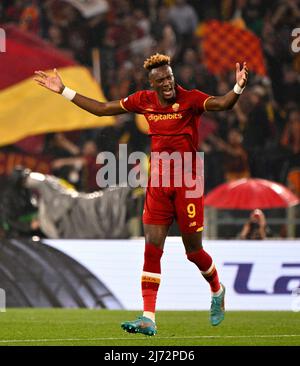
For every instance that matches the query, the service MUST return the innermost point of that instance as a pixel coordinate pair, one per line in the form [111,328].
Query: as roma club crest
[175,107]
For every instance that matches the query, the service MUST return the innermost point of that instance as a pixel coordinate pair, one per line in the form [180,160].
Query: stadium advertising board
[259,275]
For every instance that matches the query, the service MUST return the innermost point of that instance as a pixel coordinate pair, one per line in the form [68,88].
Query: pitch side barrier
[259,275]
[33,274]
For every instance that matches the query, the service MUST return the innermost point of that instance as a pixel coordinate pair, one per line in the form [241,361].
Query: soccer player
[173,114]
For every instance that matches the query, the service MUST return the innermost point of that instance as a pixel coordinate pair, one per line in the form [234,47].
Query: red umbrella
[248,194]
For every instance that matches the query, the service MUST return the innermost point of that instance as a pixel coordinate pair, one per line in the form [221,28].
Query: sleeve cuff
[122,105]
[204,104]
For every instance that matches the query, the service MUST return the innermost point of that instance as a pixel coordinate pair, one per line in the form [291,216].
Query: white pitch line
[142,339]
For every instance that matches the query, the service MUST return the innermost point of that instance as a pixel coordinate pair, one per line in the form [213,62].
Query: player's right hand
[51,82]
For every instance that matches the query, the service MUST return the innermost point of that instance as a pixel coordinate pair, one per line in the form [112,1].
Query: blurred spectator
[13,10]
[56,36]
[256,128]
[186,77]
[30,17]
[80,170]
[235,158]
[168,44]
[256,227]
[142,21]
[287,12]
[290,139]
[160,21]
[293,180]
[185,20]
[254,117]
[253,14]
[291,85]
[58,144]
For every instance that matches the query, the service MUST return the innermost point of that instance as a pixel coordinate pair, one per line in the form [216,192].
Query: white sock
[218,293]
[150,315]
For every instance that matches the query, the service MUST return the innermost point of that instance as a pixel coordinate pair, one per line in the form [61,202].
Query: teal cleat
[217,309]
[141,325]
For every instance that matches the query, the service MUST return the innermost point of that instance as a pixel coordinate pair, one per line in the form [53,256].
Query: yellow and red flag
[27,109]
[224,44]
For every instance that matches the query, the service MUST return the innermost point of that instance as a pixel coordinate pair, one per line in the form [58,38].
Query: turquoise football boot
[217,309]
[140,325]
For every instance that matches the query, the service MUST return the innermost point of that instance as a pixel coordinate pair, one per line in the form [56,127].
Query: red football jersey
[173,127]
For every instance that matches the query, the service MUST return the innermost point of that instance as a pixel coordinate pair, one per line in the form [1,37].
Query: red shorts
[163,204]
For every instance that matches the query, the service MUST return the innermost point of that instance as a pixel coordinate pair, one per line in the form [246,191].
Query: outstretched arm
[228,100]
[55,84]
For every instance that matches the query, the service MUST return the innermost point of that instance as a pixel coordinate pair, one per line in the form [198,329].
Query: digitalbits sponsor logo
[2,40]
[295,46]
[2,300]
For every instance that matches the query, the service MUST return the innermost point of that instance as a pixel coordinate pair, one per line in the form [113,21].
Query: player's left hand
[241,74]
[51,82]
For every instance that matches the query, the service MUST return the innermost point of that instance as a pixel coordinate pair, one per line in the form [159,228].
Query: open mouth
[168,93]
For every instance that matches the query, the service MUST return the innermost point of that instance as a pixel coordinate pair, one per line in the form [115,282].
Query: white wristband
[237,89]
[68,93]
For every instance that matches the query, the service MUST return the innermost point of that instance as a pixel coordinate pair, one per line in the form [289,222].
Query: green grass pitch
[82,327]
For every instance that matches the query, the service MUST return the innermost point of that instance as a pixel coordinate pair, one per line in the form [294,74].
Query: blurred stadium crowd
[260,137]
